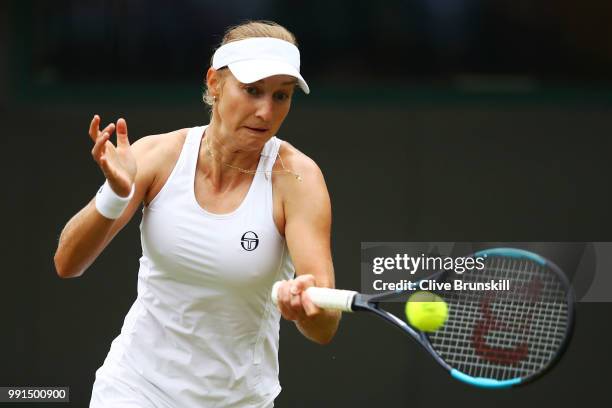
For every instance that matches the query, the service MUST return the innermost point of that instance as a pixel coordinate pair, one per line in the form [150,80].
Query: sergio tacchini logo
[249,241]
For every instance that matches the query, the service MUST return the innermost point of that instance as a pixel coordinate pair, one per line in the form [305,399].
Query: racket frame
[360,302]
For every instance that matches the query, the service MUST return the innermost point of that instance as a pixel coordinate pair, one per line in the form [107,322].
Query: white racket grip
[325,298]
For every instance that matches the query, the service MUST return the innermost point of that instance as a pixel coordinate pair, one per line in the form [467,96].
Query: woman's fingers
[293,302]
[309,307]
[300,285]
[296,302]
[284,302]
[110,129]
[99,147]
[94,128]
[122,133]
[282,299]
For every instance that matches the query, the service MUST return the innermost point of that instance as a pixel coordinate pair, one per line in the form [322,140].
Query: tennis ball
[426,311]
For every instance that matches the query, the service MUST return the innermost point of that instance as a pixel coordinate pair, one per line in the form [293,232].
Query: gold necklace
[246,171]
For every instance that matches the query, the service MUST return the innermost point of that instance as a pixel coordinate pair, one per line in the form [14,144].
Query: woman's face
[251,113]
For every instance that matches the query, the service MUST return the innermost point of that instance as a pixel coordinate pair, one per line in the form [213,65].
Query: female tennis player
[228,210]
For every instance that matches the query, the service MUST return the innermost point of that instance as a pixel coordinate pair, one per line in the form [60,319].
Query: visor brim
[250,71]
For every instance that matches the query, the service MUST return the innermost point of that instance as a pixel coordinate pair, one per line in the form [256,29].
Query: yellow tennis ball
[426,311]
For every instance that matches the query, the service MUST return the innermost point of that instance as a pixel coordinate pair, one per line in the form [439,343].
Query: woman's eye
[251,90]
[281,96]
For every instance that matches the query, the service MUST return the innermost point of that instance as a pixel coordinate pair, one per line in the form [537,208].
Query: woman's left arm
[307,211]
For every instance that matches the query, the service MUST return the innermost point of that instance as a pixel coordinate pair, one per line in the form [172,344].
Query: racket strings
[504,334]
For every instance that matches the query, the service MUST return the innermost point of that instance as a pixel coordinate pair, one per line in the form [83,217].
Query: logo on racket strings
[513,324]
[249,241]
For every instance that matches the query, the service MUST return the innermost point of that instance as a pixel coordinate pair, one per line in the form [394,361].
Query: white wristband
[109,204]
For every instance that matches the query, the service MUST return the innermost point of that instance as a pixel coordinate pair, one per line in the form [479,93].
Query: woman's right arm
[87,234]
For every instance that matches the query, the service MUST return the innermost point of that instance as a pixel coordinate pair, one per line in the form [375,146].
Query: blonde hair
[251,29]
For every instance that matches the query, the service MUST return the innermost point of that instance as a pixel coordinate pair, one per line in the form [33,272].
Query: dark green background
[407,161]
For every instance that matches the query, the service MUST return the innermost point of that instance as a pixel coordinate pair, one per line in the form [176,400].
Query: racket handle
[325,298]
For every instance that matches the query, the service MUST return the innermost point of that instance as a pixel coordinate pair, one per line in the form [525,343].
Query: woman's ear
[212,82]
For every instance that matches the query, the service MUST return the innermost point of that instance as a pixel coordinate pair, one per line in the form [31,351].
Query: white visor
[257,58]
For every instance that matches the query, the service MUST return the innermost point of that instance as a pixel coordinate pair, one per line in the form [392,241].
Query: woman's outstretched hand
[117,162]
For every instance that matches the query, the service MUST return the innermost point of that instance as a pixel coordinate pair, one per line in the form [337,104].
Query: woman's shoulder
[300,186]
[291,164]
[295,160]
[162,143]
[156,153]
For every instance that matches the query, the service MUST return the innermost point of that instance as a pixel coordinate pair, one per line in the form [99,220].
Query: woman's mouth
[257,130]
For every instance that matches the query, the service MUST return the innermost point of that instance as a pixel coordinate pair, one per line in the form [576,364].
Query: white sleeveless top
[203,331]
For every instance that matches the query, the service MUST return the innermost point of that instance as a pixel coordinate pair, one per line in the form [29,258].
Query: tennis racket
[491,339]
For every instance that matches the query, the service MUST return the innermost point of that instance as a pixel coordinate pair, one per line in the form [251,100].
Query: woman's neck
[224,162]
